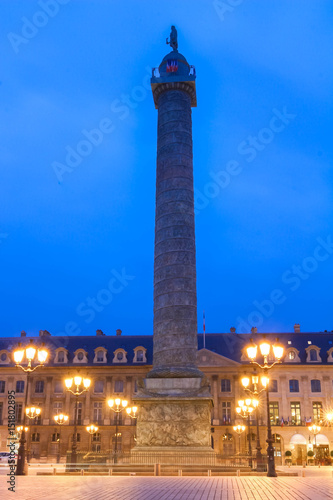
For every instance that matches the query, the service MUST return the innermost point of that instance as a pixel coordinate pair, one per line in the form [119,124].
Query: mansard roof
[229,345]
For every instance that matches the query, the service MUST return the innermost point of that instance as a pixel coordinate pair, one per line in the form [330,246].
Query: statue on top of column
[173,38]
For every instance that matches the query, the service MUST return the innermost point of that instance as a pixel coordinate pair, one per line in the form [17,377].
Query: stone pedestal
[174,422]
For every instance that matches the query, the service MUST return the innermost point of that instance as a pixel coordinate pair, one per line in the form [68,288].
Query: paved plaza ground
[317,485]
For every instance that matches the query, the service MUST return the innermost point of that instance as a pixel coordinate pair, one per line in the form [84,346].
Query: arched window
[61,357]
[253,436]
[291,355]
[80,356]
[100,356]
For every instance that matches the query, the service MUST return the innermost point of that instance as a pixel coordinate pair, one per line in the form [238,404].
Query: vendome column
[174,418]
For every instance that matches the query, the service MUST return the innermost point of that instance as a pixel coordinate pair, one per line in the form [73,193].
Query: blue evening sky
[77,230]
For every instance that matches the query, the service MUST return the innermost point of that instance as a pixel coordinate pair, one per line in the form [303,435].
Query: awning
[298,439]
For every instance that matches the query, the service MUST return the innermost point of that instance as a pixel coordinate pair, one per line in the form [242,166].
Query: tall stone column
[174,416]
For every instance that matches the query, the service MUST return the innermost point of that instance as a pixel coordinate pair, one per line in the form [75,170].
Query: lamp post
[119,405]
[81,385]
[315,429]
[60,419]
[244,410]
[27,355]
[92,429]
[276,351]
[239,429]
[256,392]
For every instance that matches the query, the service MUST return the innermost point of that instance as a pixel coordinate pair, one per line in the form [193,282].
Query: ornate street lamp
[35,358]
[244,410]
[60,419]
[239,429]
[92,429]
[118,406]
[246,381]
[80,385]
[315,429]
[276,351]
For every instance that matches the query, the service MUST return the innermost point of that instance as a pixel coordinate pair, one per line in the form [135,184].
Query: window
[100,356]
[118,386]
[253,436]
[226,412]
[225,385]
[98,412]
[35,437]
[80,356]
[273,386]
[99,386]
[3,357]
[120,355]
[293,385]
[291,355]
[139,355]
[39,387]
[58,387]
[1,412]
[274,412]
[18,413]
[117,439]
[78,437]
[315,386]
[317,409]
[57,407]
[61,357]
[277,445]
[2,386]
[20,386]
[135,385]
[78,414]
[313,355]
[55,437]
[295,409]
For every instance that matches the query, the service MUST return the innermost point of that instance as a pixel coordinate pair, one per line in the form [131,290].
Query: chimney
[44,333]
[23,333]
[118,332]
[232,329]
[297,328]
[99,332]
[254,329]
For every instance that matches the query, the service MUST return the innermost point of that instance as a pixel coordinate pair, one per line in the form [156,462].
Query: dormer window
[139,355]
[61,356]
[313,355]
[292,356]
[4,358]
[100,355]
[120,356]
[80,356]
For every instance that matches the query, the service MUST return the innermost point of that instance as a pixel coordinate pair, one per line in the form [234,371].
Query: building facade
[301,392]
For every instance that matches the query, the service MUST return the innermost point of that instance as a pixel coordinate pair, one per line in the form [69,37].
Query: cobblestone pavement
[169,488]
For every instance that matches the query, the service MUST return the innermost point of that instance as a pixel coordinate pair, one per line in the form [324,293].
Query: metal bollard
[303,473]
[180,472]
[82,472]
[238,472]
[54,471]
[157,469]
[110,472]
[209,472]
